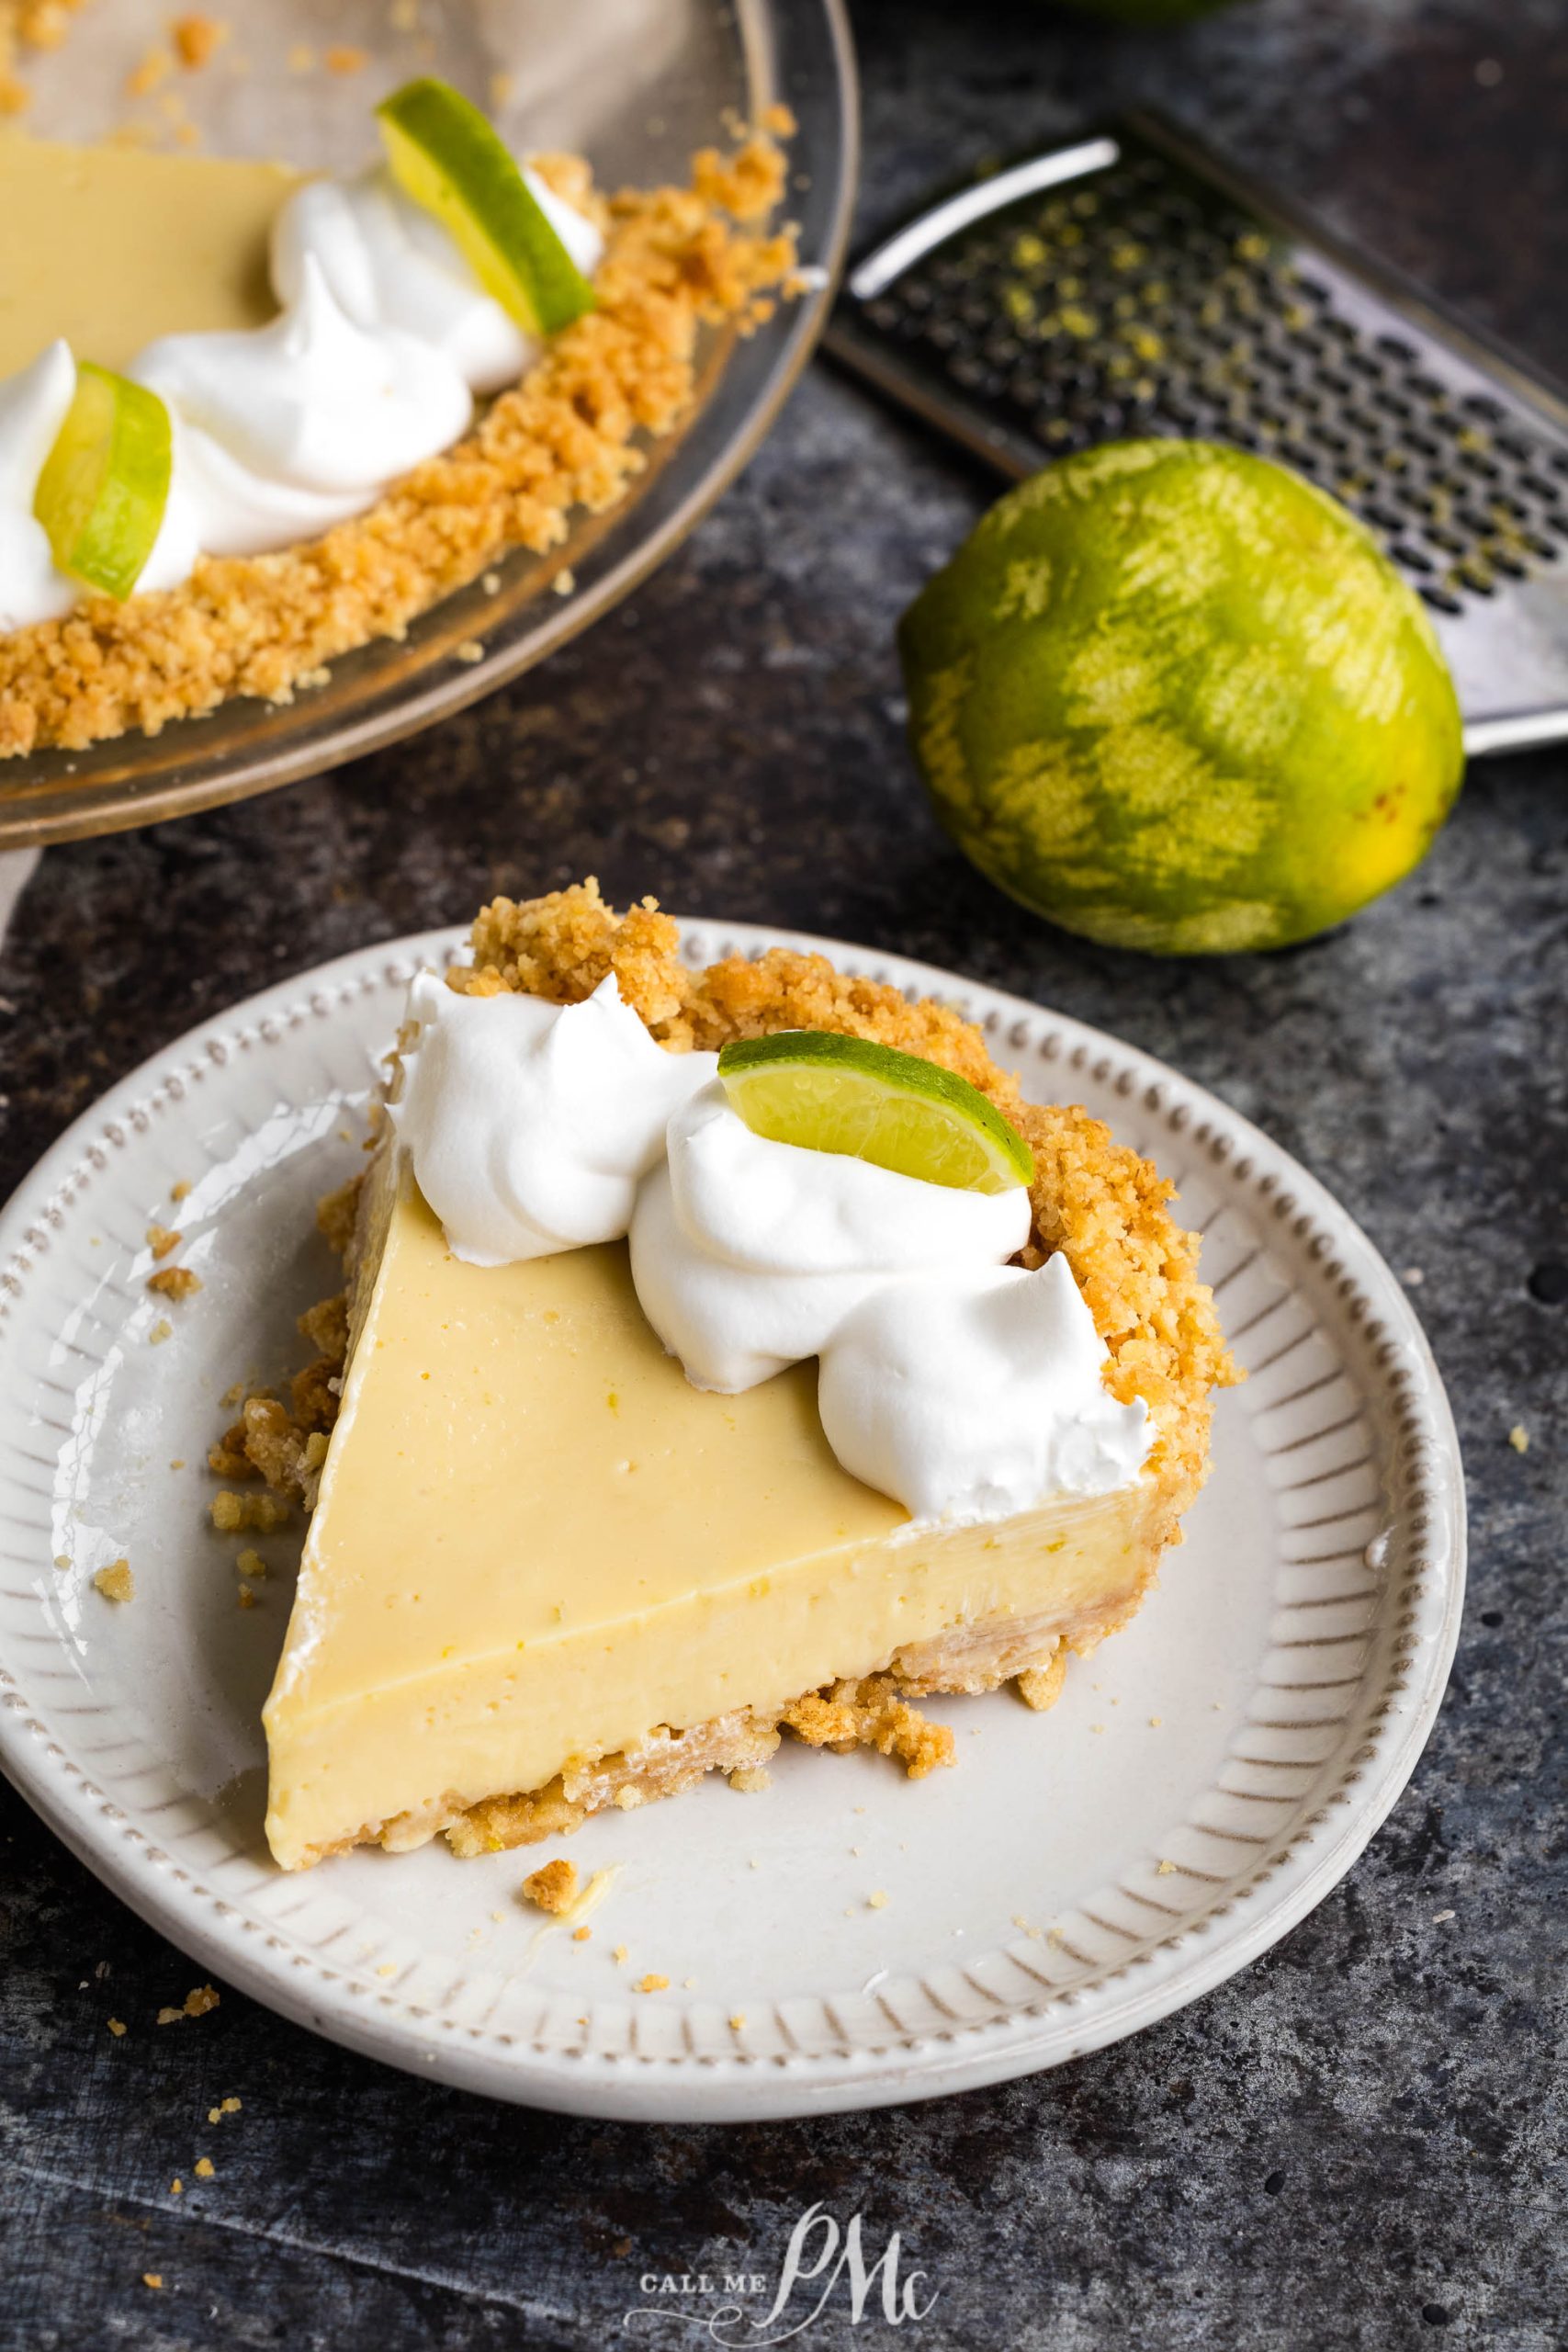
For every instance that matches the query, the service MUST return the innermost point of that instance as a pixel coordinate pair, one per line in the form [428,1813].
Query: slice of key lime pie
[723,1354]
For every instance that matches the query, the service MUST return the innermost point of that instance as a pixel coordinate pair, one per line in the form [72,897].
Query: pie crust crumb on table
[1092,1198]
[676,260]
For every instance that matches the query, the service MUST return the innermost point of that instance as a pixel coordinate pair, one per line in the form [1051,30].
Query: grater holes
[1062,436]
[1427,390]
[1422,511]
[1276,359]
[973,375]
[1151,303]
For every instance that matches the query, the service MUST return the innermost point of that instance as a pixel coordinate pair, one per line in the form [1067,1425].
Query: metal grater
[1128,285]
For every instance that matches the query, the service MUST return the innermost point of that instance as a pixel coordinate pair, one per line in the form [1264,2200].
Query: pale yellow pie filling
[535,1541]
[120,245]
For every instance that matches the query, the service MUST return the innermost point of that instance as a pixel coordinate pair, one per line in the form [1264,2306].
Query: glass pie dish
[636,85]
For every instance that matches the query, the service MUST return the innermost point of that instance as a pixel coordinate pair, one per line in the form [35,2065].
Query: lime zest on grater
[1128,284]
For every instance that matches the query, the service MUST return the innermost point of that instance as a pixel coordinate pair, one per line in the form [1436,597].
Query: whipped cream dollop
[390,265]
[383,339]
[304,420]
[530,1125]
[748,1255]
[978,1394]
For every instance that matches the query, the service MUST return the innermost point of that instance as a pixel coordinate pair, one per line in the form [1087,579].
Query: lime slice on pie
[450,159]
[105,483]
[843,1094]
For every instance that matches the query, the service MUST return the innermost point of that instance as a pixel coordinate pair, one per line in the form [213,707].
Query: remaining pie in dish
[545,1572]
[325,475]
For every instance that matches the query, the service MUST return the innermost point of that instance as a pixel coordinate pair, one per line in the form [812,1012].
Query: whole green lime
[1174,699]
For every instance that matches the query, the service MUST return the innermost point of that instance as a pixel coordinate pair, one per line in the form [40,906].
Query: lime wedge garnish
[105,483]
[450,159]
[832,1093]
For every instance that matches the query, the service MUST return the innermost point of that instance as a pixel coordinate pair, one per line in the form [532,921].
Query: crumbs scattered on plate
[553,1887]
[174,1281]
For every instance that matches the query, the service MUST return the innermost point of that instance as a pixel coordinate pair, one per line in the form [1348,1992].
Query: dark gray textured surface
[1357,2143]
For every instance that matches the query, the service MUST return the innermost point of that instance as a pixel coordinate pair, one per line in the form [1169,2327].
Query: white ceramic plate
[1206,1778]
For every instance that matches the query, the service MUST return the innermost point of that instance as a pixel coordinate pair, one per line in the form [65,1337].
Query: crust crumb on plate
[553,1887]
[174,1282]
[569,434]
[263,1512]
[1040,1687]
